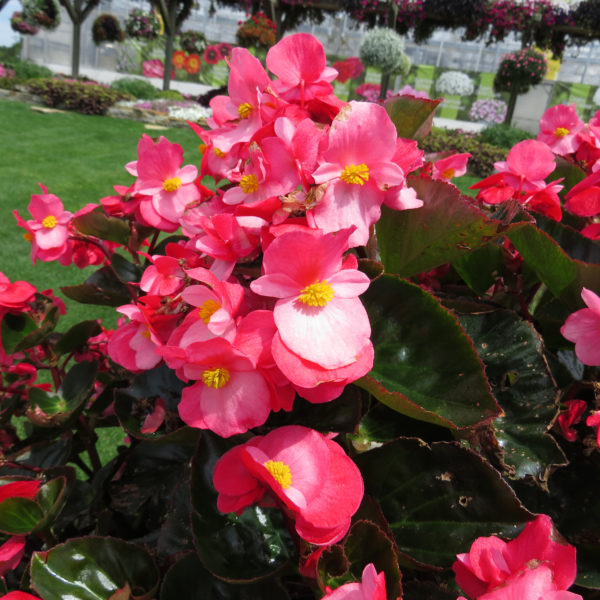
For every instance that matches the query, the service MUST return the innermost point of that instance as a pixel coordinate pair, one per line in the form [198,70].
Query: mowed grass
[77,157]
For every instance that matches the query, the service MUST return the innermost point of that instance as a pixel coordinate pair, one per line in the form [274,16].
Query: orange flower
[192,64]
[179,59]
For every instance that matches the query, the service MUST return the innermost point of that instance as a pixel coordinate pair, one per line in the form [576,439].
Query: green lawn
[77,157]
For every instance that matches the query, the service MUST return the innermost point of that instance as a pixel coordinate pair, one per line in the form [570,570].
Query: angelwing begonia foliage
[332,374]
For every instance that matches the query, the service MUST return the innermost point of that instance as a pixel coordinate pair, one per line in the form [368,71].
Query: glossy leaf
[249,547]
[512,352]
[19,515]
[14,329]
[419,349]
[481,268]
[439,498]
[125,269]
[77,336]
[98,224]
[413,117]
[444,229]
[52,497]
[563,275]
[188,579]
[101,288]
[93,568]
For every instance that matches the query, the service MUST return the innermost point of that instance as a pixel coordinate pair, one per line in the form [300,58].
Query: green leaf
[125,269]
[77,336]
[563,275]
[76,389]
[250,547]
[188,579]
[101,288]
[439,498]
[52,497]
[97,223]
[14,329]
[481,268]
[444,229]
[19,516]
[425,365]
[512,352]
[93,568]
[413,117]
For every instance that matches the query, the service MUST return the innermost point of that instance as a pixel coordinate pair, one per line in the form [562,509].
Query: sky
[7,36]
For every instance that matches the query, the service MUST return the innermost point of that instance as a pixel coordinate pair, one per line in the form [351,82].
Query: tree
[173,13]
[78,11]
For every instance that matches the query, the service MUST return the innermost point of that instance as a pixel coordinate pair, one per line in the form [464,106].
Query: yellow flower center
[249,184]
[216,378]
[146,333]
[49,222]
[245,110]
[172,184]
[355,174]
[208,309]
[28,236]
[218,153]
[448,173]
[560,132]
[281,473]
[316,294]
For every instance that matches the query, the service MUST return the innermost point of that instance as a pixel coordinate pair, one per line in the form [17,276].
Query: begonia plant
[334,375]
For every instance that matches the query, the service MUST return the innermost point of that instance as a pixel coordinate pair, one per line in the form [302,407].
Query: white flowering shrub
[382,48]
[454,83]
[490,111]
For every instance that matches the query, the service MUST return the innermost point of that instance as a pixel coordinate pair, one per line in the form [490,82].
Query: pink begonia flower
[372,587]
[50,223]
[15,296]
[318,315]
[308,475]
[19,596]
[533,584]
[583,328]
[229,395]
[300,64]
[237,117]
[161,176]
[155,68]
[358,168]
[492,563]
[134,345]
[559,129]
[594,421]
[570,417]
[583,199]
[451,166]
[156,418]
[11,553]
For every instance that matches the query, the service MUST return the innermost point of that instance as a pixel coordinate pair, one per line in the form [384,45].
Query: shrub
[504,136]
[483,156]
[88,98]
[382,48]
[138,88]
[488,110]
[519,71]
[106,28]
[454,83]
[258,31]
[170,95]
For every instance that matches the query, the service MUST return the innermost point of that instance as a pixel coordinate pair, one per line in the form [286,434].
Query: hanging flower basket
[143,25]
[19,24]
[106,28]
[41,13]
[193,42]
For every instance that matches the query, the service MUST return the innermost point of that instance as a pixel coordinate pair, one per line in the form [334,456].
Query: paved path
[196,89]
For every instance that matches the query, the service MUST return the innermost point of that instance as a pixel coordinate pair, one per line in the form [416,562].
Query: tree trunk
[168,64]
[385,84]
[76,41]
[512,101]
